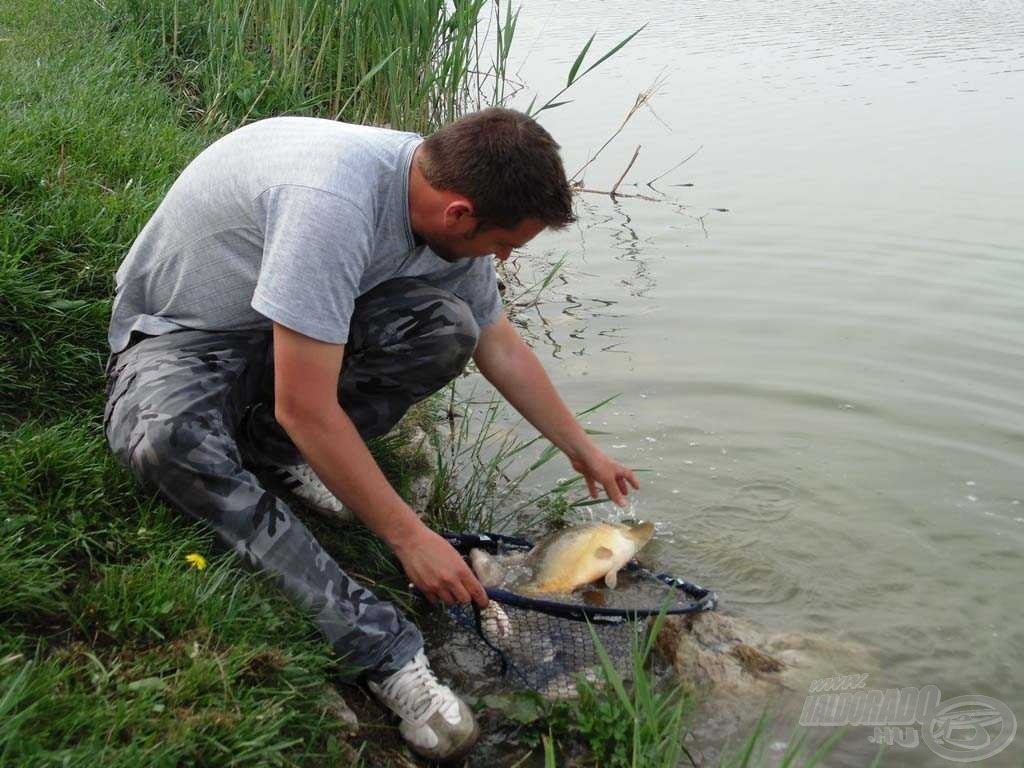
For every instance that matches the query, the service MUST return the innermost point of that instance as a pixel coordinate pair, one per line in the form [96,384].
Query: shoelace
[414,691]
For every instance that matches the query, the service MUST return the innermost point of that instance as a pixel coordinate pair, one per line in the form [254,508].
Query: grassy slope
[112,650]
[86,151]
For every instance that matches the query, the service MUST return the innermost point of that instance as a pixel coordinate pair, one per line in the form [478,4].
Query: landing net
[546,645]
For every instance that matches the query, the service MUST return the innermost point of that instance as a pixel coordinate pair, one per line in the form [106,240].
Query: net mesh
[548,645]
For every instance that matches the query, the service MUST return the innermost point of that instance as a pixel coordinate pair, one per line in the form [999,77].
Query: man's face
[455,245]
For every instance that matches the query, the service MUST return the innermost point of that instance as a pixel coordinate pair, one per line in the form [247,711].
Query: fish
[565,560]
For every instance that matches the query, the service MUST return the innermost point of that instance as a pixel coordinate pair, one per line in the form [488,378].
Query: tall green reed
[622,716]
[409,64]
[484,463]
[634,722]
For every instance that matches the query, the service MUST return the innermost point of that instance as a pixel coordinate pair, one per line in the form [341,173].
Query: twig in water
[642,99]
[648,198]
[677,165]
[614,188]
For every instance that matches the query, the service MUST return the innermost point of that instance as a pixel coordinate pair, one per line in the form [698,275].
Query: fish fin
[603,553]
[611,579]
[642,533]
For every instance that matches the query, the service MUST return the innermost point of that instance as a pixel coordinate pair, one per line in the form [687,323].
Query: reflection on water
[818,343]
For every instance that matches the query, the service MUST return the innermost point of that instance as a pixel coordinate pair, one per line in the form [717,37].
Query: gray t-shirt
[286,220]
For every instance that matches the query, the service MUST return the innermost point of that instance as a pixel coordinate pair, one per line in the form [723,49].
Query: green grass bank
[113,650]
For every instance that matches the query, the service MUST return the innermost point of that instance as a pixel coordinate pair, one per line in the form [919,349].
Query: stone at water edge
[718,650]
[739,671]
[727,655]
[700,649]
[420,491]
[755,661]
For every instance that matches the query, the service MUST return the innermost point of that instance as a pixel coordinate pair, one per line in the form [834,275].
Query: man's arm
[512,367]
[306,375]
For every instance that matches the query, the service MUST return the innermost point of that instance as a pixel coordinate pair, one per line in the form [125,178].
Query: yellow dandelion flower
[196,560]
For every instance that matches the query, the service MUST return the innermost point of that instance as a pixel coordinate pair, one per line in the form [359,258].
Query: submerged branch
[674,167]
[613,194]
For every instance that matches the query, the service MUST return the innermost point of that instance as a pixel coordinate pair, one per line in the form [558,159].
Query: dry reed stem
[633,160]
[642,98]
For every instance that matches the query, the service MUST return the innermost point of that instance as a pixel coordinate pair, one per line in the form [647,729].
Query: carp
[565,560]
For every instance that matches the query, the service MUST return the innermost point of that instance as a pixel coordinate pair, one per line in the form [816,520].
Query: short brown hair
[505,163]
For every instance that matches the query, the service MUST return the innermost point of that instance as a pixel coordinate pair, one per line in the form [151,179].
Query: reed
[408,64]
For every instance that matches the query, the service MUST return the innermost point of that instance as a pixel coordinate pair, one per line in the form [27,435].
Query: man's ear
[458,216]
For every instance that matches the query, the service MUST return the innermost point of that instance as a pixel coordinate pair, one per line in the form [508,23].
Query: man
[300,286]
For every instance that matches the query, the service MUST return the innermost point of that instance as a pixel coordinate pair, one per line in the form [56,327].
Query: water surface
[825,378]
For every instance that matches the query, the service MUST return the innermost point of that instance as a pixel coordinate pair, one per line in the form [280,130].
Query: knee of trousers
[458,340]
[166,450]
[443,342]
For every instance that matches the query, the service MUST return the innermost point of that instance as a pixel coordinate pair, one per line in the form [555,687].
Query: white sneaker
[436,723]
[301,480]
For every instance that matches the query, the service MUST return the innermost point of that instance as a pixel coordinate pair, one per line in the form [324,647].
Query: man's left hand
[598,468]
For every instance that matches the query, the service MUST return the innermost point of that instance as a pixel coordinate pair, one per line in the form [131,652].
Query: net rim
[701,598]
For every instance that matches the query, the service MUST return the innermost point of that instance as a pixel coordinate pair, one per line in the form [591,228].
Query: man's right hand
[438,571]
[306,405]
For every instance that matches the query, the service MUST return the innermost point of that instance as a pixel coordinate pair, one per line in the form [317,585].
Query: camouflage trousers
[191,413]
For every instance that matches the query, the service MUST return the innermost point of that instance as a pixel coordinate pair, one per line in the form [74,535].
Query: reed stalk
[408,64]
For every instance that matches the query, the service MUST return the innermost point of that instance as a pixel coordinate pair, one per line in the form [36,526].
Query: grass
[483,468]
[238,60]
[113,650]
[87,149]
[617,720]
[641,725]
[199,699]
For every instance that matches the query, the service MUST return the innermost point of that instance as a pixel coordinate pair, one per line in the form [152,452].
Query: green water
[825,379]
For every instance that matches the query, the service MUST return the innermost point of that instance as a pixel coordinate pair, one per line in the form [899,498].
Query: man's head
[487,184]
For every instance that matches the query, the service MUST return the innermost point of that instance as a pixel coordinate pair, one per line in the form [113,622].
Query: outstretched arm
[512,367]
[306,405]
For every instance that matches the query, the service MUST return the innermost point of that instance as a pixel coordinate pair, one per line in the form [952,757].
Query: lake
[819,342]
